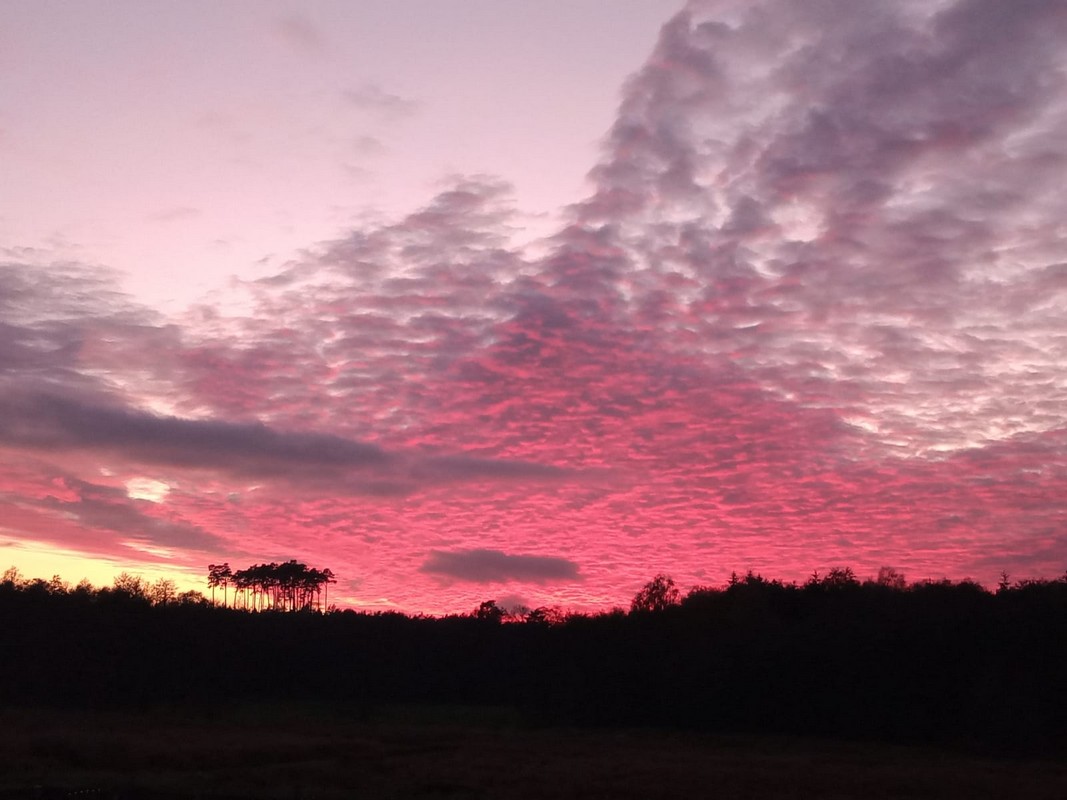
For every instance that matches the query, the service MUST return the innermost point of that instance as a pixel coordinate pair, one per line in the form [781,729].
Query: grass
[289,752]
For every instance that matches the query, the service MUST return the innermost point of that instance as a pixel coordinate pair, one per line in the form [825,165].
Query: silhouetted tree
[490,612]
[1005,582]
[58,586]
[840,577]
[546,615]
[163,591]
[656,595]
[191,597]
[219,575]
[327,577]
[290,586]
[889,577]
[836,578]
[242,582]
[132,585]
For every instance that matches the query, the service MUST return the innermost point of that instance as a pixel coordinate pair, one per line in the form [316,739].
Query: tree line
[946,662]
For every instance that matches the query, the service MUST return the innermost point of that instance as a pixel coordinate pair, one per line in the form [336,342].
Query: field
[306,752]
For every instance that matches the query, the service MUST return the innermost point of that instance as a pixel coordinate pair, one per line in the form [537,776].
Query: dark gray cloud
[494,566]
[56,424]
[53,422]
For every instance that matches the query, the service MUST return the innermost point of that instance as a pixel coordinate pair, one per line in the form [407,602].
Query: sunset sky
[531,301]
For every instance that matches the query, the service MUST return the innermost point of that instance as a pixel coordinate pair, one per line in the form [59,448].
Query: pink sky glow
[808,310]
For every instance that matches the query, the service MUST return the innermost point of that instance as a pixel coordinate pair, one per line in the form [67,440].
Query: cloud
[820,221]
[494,566]
[102,508]
[459,468]
[43,504]
[68,325]
[371,98]
[368,146]
[55,424]
[301,34]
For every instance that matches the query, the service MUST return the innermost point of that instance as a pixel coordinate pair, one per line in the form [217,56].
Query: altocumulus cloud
[494,566]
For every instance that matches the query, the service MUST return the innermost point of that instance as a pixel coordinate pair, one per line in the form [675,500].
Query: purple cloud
[494,566]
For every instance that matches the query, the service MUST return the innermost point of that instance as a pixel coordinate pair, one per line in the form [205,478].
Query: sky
[471,300]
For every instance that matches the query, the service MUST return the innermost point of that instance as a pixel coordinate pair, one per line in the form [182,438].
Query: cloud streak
[50,422]
[241,450]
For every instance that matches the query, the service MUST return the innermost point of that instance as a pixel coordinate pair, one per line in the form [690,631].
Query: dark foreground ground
[302,752]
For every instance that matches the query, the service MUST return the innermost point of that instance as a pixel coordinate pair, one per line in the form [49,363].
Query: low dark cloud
[52,423]
[494,566]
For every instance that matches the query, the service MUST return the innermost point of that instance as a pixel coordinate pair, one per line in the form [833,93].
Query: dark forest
[943,662]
